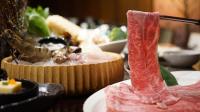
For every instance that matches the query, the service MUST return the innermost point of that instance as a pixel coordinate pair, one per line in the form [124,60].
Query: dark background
[114,12]
[111,11]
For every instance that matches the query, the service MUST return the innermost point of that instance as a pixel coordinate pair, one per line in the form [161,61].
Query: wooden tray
[76,79]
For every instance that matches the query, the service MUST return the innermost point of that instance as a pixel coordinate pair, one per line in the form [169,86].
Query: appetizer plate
[97,103]
[29,89]
[48,94]
[114,46]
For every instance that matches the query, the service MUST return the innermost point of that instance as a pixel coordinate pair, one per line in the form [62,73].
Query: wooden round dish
[76,79]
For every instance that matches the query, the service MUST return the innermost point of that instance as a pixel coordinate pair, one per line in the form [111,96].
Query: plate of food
[97,101]
[117,40]
[24,95]
[109,39]
[146,90]
[58,57]
[47,96]
[12,90]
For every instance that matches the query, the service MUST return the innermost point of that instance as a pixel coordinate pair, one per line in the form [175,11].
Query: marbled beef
[148,92]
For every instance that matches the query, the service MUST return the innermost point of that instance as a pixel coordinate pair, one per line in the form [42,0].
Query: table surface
[66,104]
[75,104]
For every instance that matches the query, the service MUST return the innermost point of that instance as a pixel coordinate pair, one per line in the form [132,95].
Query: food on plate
[61,26]
[41,24]
[24,50]
[79,70]
[14,30]
[103,34]
[64,28]
[148,92]
[117,34]
[169,79]
[60,54]
[82,74]
[10,86]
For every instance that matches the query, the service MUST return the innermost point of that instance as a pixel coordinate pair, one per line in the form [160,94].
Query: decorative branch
[11,15]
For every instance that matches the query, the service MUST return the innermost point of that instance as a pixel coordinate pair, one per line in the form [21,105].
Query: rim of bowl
[182,52]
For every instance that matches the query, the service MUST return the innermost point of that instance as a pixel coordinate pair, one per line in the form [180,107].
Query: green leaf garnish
[35,18]
[4,83]
[170,80]
[117,34]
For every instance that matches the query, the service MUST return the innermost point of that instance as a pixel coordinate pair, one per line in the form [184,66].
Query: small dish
[114,46]
[29,89]
[97,101]
[182,58]
[48,94]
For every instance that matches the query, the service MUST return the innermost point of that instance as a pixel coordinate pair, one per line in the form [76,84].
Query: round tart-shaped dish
[76,79]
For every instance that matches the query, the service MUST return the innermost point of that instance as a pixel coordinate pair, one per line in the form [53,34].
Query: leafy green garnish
[4,83]
[170,80]
[43,12]
[35,18]
[117,34]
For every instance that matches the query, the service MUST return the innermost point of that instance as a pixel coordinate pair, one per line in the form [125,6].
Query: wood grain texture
[76,79]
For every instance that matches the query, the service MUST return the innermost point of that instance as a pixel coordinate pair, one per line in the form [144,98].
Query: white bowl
[182,58]
[114,46]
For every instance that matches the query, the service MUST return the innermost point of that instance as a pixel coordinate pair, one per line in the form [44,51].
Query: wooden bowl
[76,79]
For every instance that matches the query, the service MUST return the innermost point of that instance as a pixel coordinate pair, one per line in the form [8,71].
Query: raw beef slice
[148,92]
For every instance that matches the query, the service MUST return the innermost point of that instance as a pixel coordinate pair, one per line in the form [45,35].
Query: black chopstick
[186,20]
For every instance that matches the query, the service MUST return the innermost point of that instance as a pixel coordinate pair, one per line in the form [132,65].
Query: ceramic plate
[29,89]
[96,102]
[114,46]
[48,93]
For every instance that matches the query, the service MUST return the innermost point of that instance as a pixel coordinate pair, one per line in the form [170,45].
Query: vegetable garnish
[117,34]
[170,80]
[4,83]
[36,21]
